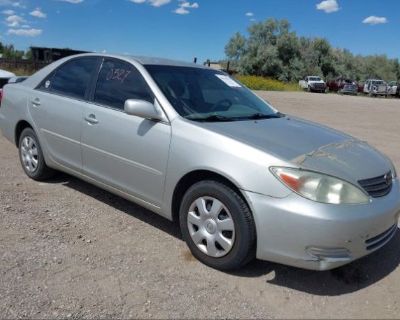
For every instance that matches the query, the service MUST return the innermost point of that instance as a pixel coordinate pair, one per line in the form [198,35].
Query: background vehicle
[360,85]
[343,86]
[195,146]
[5,76]
[374,87]
[393,88]
[313,84]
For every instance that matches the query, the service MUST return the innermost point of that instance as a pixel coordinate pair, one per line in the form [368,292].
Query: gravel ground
[69,249]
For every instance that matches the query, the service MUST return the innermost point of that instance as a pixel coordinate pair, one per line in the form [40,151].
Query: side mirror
[142,108]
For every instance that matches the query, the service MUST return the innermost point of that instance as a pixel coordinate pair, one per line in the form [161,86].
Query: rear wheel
[31,156]
[217,225]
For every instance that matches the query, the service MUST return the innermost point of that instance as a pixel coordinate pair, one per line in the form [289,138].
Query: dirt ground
[69,249]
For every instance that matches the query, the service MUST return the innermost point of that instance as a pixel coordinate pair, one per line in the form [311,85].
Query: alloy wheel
[29,154]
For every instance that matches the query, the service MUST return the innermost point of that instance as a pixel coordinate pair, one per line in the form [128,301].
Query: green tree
[396,69]
[236,46]
[271,49]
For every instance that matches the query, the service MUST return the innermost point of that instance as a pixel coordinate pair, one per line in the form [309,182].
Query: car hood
[320,81]
[308,145]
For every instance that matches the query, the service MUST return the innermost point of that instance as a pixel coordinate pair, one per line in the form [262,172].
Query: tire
[203,242]
[31,156]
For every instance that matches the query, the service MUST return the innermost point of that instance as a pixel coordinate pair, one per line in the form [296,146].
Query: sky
[183,29]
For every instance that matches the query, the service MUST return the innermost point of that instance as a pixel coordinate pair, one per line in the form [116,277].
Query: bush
[261,83]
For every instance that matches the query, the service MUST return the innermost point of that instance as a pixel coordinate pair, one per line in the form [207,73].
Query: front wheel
[217,225]
[31,156]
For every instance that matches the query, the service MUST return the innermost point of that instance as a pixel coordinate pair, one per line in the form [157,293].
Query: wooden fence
[21,67]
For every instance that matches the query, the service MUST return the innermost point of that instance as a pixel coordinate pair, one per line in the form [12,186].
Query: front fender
[194,148]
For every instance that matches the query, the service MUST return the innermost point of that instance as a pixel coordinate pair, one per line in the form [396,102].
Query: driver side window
[119,81]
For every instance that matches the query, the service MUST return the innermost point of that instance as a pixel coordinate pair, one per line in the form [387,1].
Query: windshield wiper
[212,118]
[257,116]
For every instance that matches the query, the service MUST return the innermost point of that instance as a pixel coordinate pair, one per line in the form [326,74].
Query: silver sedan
[195,146]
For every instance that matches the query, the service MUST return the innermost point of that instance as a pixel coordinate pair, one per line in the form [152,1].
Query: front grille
[381,239]
[319,85]
[378,186]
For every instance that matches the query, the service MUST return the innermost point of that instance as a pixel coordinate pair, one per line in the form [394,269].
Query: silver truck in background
[374,87]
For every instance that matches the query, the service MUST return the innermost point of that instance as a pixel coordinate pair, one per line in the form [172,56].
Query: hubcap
[29,154]
[211,226]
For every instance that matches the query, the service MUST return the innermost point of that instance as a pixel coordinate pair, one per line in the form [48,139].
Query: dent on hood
[329,152]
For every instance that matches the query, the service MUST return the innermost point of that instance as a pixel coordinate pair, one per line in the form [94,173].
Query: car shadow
[118,203]
[350,278]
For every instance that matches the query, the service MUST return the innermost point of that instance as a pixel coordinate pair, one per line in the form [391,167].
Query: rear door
[124,151]
[57,108]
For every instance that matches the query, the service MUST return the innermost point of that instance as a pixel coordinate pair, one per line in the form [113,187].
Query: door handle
[35,102]
[91,118]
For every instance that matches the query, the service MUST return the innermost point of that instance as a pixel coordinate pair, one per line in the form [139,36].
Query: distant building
[48,55]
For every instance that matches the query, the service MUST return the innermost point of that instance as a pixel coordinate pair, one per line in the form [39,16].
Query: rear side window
[72,78]
[119,81]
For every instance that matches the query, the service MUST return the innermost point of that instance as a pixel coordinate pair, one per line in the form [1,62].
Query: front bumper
[379,93]
[316,236]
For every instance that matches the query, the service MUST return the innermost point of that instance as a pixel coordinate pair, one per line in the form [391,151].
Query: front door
[126,152]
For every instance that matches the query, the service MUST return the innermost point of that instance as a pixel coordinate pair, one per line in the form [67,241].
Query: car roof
[143,60]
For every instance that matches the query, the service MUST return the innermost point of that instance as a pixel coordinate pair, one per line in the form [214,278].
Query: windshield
[314,79]
[208,95]
[378,82]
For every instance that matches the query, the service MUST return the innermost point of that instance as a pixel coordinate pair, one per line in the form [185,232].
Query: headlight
[320,187]
[394,173]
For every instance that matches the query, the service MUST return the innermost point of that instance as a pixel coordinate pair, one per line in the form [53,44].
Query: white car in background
[313,84]
[5,76]
[393,88]
[374,87]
